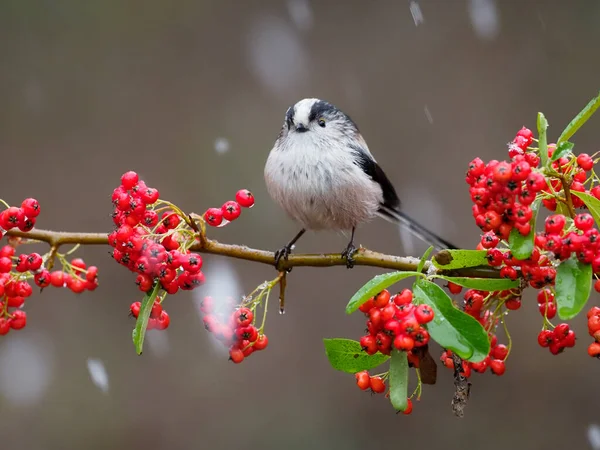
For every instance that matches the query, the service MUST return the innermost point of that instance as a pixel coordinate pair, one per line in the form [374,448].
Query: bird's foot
[348,255]
[282,253]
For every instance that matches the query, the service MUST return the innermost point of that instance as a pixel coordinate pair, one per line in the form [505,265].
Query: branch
[363,257]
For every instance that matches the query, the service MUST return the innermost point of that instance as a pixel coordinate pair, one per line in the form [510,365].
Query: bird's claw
[282,253]
[348,255]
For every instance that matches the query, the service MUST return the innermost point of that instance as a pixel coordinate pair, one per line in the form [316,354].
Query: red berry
[261,343]
[243,317]
[555,224]
[377,385]
[585,161]
[423,314]
[403,297]
[134,309]
[513,303]
[500,352]
[545,338]
[34,261]
[454,288]
[366,306]
[497,366]
[489,240]
[245,198]
[163,321]
[236,355]
[129,180]
[561,330]
[4,326]
[502,172]
[409,407]
[584,221]
[30,207]
[231,210]
[42,279]
[382,299]
[593,349]
[363,380]
[548,310]
[368,344]
[404,342]
[18,320]
[213,217]
[191,262]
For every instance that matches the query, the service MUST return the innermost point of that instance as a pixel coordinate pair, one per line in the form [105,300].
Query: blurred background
[191,94]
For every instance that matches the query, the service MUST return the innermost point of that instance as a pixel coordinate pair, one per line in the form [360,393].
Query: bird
[321,172]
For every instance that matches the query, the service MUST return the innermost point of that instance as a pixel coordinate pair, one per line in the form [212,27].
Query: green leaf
[450,327]
[483,284]
[592,203]
[521,246]
[141,323]
[573,287]
[561,208]
[542,126]
[459,259]
[563,149]
[424,259]
[347,355]
[398,380]
[375,286]
[580,119]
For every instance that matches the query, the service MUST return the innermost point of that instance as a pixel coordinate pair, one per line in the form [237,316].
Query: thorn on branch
[462,388]
[282,285]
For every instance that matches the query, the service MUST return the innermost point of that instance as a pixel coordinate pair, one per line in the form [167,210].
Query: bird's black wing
[389,208]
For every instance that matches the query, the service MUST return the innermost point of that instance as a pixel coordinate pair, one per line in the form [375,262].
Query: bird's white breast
[318,184]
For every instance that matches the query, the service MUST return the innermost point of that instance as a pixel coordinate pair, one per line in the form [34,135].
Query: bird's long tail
[415,228]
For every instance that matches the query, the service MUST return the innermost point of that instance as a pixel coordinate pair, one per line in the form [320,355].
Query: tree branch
[363,257]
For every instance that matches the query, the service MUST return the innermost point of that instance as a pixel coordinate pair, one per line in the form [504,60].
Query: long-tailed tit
[321,172]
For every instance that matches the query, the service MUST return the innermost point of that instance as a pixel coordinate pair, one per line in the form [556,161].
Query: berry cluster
[18,270]
[234,329]
[502,192]
[477,304]
[394,322]
[558,339]
[593,317]
[231,210]
[159,318]
[22,218]
[155,247]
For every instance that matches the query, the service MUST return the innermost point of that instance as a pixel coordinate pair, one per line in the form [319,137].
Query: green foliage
[459,259]
[375,286]
[521,246]
[580,119]
[542,127]
[563,149]
[139,332]
[451,327]
[398,380]
[573,287]
[483,284]
[347,355]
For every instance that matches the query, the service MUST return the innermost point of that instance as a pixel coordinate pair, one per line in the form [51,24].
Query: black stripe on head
[289,116]
[322,108]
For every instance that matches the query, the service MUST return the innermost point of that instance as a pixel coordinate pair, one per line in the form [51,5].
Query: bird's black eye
[321,122]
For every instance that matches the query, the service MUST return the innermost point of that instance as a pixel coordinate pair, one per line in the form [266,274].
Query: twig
[282,284]
[363,257]
[462,388]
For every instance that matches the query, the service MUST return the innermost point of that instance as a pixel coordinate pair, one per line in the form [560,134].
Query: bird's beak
[300,128]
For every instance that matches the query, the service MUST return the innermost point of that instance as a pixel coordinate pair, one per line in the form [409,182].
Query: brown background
[89,90]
